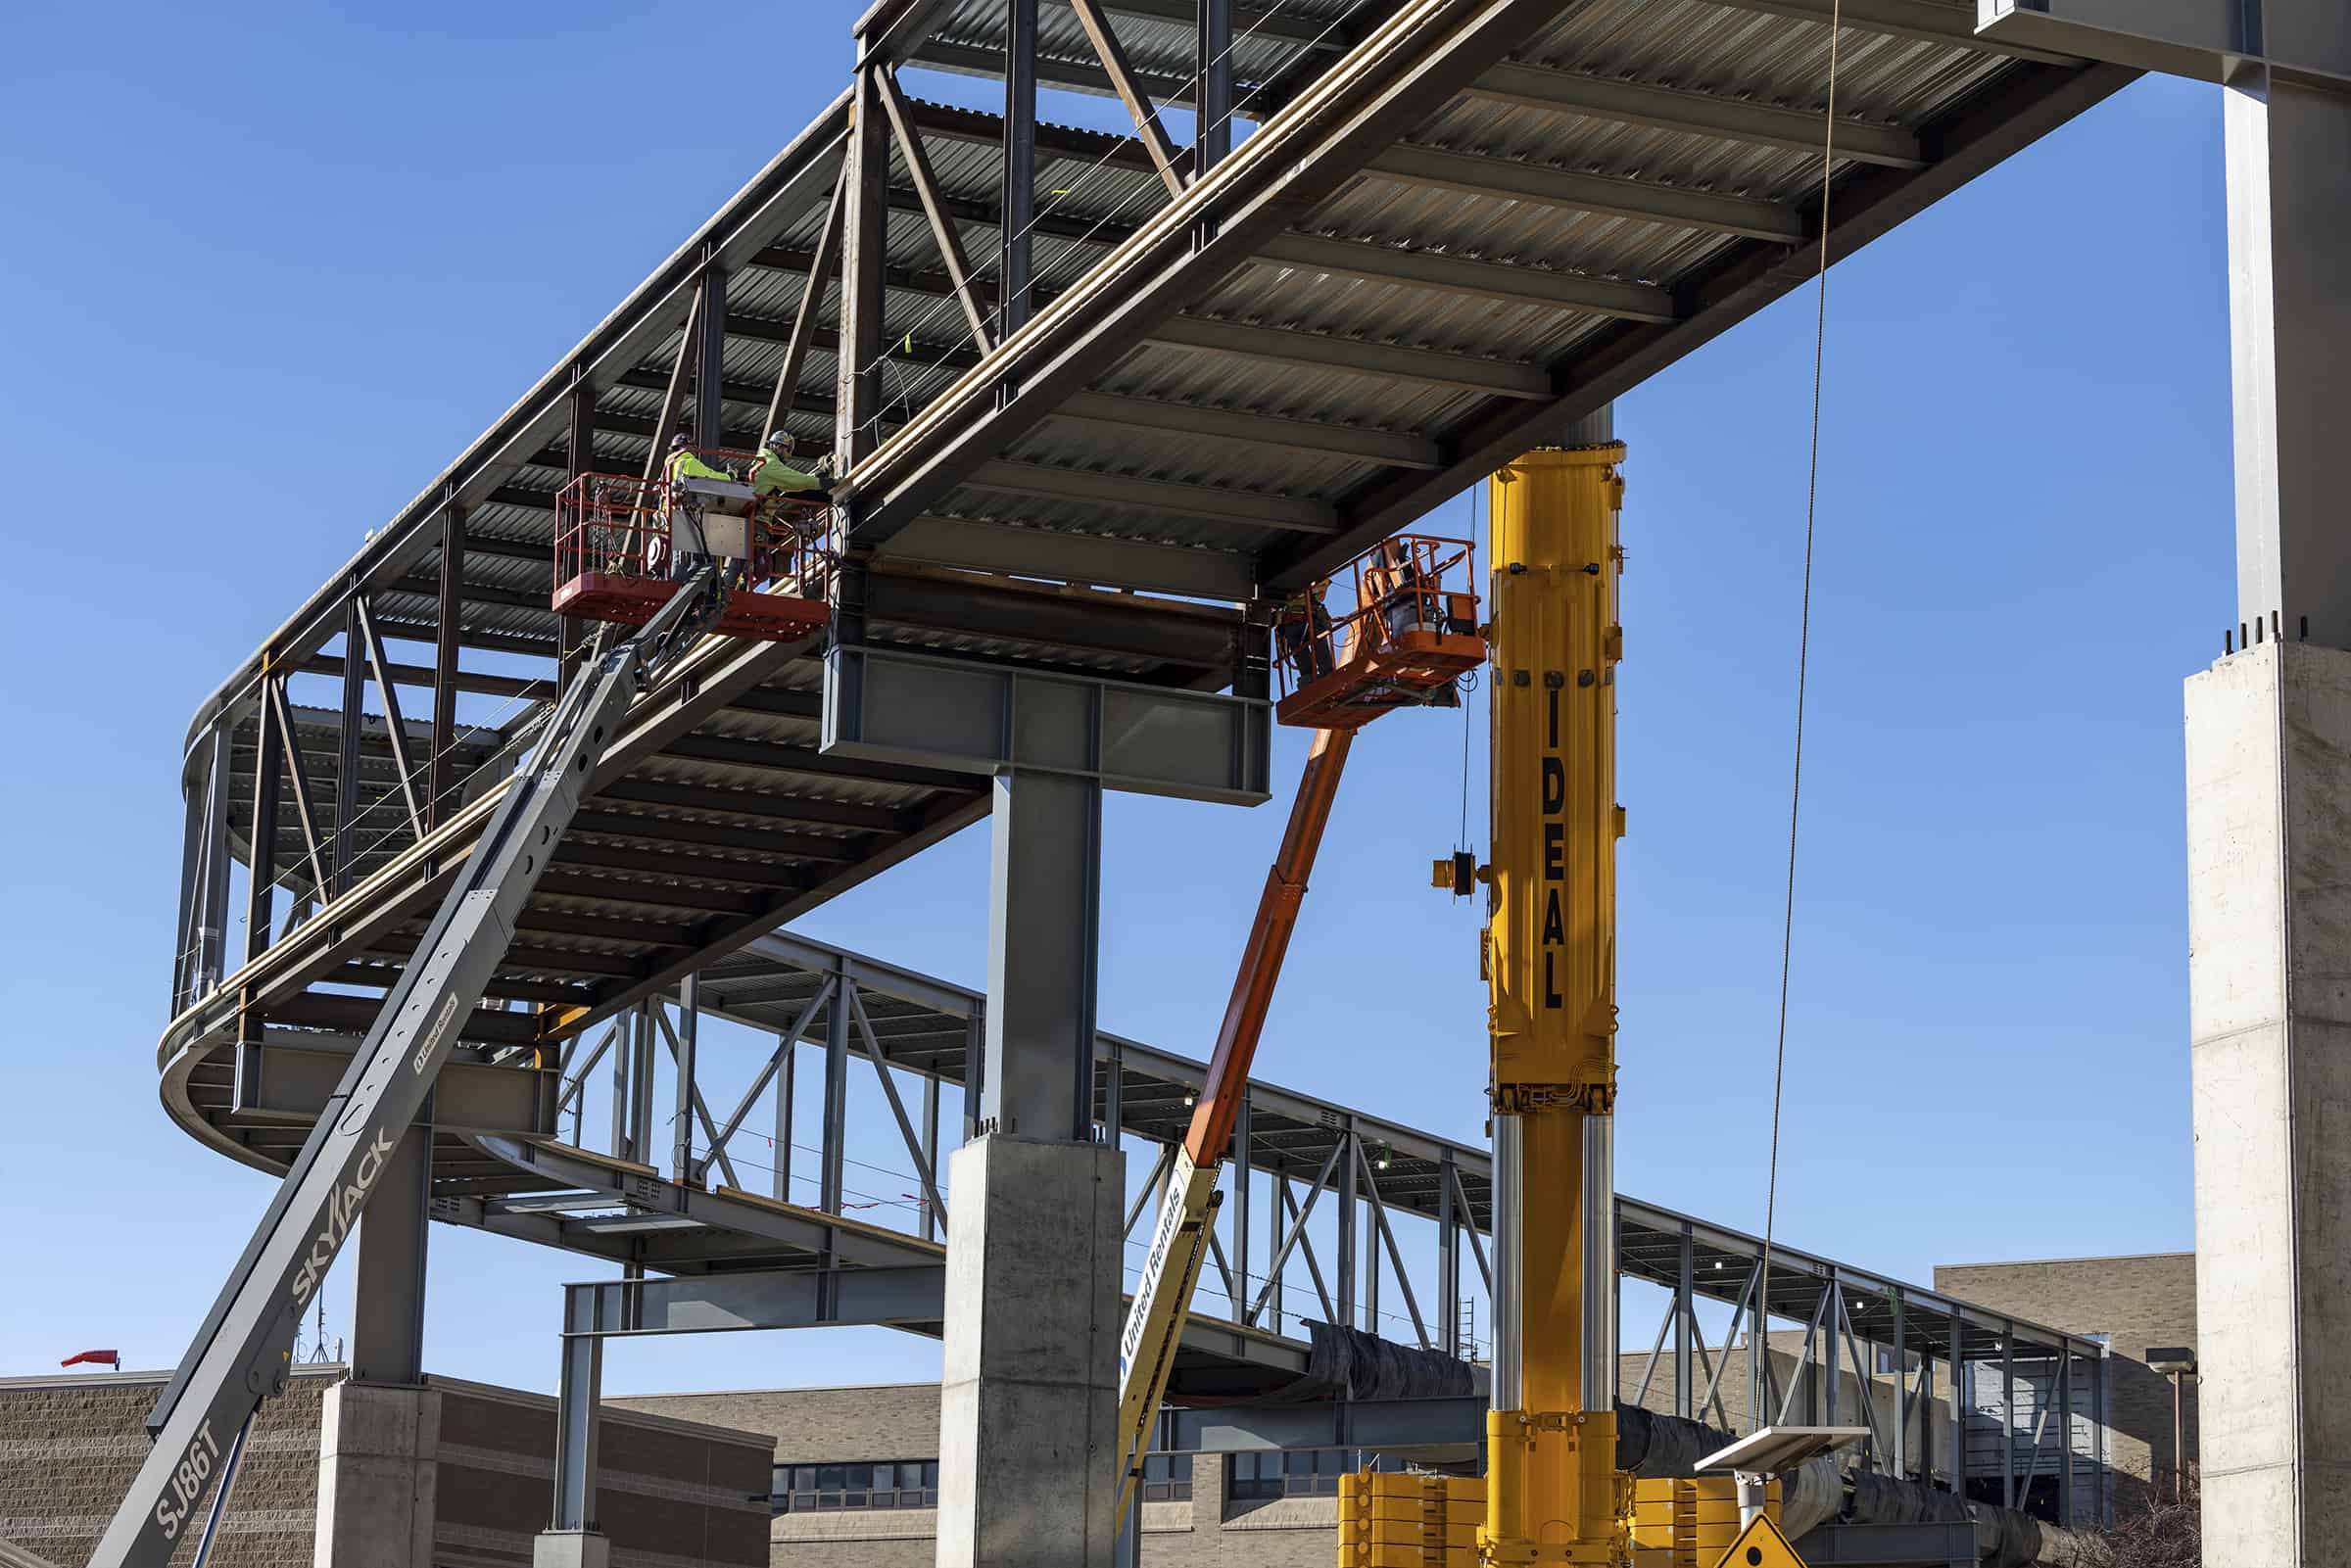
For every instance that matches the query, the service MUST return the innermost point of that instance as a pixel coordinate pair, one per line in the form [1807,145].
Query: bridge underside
[1456,227]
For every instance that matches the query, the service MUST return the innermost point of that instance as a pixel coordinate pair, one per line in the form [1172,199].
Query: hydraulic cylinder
[1551,963]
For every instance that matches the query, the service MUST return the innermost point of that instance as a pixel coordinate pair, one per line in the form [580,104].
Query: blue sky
[264,280]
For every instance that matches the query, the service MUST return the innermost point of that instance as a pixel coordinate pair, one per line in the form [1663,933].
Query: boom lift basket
[612,560]
[1410,637]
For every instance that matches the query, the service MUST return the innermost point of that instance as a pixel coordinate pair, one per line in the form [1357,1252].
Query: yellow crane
[1553,1493]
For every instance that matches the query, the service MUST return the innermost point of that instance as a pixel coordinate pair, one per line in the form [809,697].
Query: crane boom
[1179,1241]
[240,1354]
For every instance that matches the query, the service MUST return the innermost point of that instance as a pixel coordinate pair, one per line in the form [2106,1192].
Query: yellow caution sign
[1760,1545]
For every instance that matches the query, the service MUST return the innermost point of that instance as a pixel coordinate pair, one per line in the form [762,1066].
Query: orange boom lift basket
[612,554]
[1412,635]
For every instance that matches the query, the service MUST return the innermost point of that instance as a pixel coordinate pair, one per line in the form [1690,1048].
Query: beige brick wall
[675,1493]
[70,1447]
[2139,1302]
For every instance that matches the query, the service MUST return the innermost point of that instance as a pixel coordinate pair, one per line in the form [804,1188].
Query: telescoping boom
[1179,1241]
[241,1353]
[1407,639]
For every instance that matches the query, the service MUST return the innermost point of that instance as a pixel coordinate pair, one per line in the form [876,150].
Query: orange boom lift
[1407,639]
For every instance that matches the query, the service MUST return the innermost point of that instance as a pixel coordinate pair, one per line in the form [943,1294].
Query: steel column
[1824,1367]
[1901,1392]
[865,218]
[641,1087]
[710,357]
[1344,1265]
[387,1297]
[2065,1437]
[577,1397]
[441,768]
[624,1057]
[975,1069]
[1759,1338]
[688,1036]
[1211,133]
[1958,1414]
[1684,1319]
[1242,1178]
[346,852]
[1015,271]
[1276,1216]
[2009,1417]
[1449,1259]
[1044,908]
[261,879]
[2098,1440]
[784,1086]
[212,907]
[187,959]
[929,1229]
[834,1125]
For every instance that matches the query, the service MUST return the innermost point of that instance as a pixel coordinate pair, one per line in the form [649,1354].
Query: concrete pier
[1030,1392]
[2269,870]
[1028,1404]
[378,1474]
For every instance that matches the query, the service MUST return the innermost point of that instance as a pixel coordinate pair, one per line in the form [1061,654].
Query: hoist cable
[1761,1324]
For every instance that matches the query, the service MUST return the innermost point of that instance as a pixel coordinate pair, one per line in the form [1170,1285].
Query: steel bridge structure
[729,1221]
[1100,402]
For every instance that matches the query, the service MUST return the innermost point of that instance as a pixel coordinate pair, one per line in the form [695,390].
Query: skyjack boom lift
[1406,642]
[241,1353]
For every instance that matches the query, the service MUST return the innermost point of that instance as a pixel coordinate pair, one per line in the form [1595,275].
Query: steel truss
[1352,1208]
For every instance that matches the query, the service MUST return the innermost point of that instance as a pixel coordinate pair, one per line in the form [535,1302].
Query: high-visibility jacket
[774,477]
[685,464]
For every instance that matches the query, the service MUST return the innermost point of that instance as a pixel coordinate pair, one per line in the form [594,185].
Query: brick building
[2136,1304]
[680,1494]
[852,1472]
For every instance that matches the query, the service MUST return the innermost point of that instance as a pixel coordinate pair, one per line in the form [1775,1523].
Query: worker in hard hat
[688,549]
[1397,582]
[1303,634]
[776,475]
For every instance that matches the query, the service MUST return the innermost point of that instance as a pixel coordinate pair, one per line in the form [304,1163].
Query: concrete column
[2269,841]
[1029,1400]
[377,1455]
[2268,868]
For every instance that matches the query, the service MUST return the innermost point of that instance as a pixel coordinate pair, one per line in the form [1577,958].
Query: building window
[1167,1477]
[1294,1473]
[827,1488]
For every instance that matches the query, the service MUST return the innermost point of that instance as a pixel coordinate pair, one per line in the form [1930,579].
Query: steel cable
[1804,654]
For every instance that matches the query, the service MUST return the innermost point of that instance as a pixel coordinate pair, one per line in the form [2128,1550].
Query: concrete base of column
[2269,871]
[378,1448]
[1028,1401]
[570,1548]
